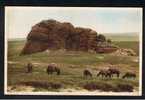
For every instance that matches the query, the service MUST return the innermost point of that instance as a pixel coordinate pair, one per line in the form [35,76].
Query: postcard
[73,51]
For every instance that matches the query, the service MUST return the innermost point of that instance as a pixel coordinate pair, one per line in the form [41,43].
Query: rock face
[53,35]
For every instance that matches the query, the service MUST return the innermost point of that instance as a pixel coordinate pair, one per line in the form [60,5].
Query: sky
[19,20]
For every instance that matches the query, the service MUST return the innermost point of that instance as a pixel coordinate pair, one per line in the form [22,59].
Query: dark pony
[53,68]
[87,73]
[114,71]
[129,75]
[104,73]
[29,68]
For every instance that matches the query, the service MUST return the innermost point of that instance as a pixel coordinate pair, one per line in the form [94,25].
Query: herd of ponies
[104,73]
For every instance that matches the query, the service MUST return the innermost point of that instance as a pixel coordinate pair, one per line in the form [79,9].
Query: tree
[101,38]
[109,41]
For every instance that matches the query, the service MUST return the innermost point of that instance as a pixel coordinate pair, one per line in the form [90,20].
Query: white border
[140,56]
[5,60]
[76,93]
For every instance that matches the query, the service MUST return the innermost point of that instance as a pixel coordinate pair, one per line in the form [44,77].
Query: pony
[114,71]
[87,73]
[129,75]
[29,68]
[104,73]
[53,68]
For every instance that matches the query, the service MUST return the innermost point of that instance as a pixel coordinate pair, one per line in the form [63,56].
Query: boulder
[124,52]
[54,35]
[105,47]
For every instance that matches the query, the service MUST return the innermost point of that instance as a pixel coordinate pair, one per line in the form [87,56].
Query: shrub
[100,86]
[125,88]
[108,87]
[45,85]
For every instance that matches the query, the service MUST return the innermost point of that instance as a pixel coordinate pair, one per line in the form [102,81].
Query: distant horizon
[112,36]
[128,33]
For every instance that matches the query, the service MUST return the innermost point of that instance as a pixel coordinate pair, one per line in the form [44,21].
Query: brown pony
[87,73]
[114,71]
[53,68]
[129,75]
[29,68]
[104,73]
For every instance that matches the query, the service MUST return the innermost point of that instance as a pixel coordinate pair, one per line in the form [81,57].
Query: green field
[122,36]
[71,64]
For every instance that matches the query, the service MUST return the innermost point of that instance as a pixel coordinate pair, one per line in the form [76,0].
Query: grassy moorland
[72,65]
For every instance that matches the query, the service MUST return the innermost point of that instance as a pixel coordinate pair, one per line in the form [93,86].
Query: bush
[108,87]
[101,38]
[125,88]
[45,85]
[99,86]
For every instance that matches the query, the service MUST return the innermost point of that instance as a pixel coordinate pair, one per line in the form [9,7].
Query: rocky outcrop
[53,35]
[105,47]
[124,52]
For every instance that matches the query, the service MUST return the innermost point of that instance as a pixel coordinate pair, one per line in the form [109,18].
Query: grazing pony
[87,73]
[129,75]
[114,71]
[29,68]
[53,68]
[104,73]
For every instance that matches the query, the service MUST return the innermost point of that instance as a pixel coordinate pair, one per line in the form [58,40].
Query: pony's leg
[103,76]
[86,76]
[98,75]
[124,77]
[48,72]
[112,75]
[109,75]
[106,76]
[117,74]
[51,72]
[58,72]
[90,75]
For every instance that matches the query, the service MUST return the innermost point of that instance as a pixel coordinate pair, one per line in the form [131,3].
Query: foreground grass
[71,64]
[70,77]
